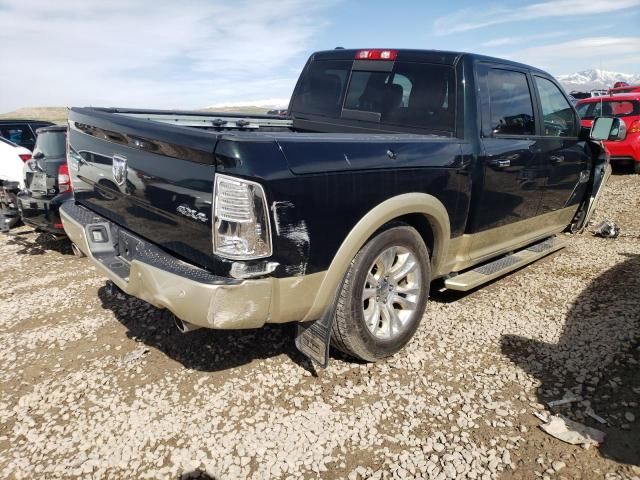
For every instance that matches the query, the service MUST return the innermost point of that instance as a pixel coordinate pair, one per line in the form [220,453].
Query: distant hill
[59,114]
[596,79]
[51,114]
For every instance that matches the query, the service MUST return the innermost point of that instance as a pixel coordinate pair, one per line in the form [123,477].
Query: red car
[627,108]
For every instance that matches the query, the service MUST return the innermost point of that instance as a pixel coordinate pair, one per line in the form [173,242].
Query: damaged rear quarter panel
[312,213]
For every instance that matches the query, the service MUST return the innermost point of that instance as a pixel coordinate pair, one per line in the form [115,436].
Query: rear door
[511,171]
[563,157]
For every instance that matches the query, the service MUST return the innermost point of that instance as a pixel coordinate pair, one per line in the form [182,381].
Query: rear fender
[408,203]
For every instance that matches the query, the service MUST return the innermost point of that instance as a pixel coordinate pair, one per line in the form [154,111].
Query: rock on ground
[99,386]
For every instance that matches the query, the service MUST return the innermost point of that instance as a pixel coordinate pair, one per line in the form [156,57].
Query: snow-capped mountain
[595,78]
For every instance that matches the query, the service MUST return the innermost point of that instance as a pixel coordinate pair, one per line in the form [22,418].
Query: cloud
[473,18]
[150,54]
[500,42]
[588,50]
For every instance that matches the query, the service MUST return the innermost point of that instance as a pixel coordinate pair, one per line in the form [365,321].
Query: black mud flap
[313,338]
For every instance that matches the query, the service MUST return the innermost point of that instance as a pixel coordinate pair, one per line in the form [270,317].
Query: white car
[12,160]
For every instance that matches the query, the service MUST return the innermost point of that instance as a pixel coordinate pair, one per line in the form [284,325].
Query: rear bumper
[194,295]
[43,213]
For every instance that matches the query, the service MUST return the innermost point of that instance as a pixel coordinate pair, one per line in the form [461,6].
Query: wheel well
[420,223]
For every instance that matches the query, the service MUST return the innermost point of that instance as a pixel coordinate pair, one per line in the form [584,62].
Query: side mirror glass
[38,155]
[608,128]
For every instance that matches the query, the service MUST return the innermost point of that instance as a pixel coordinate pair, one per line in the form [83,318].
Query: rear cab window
[409,94]
[51,144]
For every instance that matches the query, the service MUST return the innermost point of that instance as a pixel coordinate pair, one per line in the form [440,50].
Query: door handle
[555,159]
[501,163]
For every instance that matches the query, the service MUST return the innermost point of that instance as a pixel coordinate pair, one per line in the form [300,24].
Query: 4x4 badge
[119,169]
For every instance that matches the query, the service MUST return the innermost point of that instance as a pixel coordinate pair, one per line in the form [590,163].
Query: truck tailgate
[151,178]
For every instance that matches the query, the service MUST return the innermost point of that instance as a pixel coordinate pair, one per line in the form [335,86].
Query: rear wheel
[383,295]
[636,168]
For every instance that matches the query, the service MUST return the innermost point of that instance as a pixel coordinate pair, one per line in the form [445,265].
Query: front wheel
[383,295]
[636,168]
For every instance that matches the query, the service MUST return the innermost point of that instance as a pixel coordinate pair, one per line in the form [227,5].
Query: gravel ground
[101,386]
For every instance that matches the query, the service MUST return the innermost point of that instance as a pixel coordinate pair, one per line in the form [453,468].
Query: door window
[617,108]
[557,114]
[510,103]
[18,134]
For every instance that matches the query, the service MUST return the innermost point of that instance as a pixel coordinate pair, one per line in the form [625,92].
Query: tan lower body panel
[471,249]
[249,304]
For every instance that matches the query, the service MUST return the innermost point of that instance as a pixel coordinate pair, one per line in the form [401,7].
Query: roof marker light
[376,54]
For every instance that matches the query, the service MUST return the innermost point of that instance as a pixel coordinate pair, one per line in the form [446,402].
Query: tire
[636,168]
[358,329]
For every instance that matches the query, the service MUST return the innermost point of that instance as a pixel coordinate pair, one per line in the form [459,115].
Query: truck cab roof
[443,57]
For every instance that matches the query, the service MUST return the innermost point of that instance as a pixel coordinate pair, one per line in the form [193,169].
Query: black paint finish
[318,183]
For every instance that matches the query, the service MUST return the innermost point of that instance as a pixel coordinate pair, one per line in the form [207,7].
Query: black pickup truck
[393,168]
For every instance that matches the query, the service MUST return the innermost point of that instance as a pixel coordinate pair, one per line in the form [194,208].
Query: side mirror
[38,155]
[608,128]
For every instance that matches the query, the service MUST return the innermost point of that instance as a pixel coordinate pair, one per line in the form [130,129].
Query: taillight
[241,219]
[64,179]
[634,128]
[25,157]
[376,54]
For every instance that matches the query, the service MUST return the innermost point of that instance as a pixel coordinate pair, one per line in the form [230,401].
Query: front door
[564,158]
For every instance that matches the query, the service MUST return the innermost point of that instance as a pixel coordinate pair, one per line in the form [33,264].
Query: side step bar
[503,265]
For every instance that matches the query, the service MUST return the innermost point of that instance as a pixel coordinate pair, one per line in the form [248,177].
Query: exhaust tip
[76,250]
[183,326]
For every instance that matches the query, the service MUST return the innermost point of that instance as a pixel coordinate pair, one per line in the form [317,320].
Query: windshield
[51,144]
[417,95]
[617,108]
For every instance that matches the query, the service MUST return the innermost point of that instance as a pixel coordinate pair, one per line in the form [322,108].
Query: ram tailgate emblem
[119,169]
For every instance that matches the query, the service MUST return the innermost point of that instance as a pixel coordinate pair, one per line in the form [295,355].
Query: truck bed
[172,157]
[216,121]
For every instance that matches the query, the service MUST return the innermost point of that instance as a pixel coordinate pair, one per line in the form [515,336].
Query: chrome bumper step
[503,265]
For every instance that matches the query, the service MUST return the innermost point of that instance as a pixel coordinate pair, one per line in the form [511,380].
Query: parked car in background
[625,107]
[46,181]
[394,168]
[281,112]
[579,95]
[22,132]
[12,158]
[620,84]
[625,89]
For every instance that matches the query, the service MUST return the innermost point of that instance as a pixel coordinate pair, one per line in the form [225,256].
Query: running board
[503,265]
